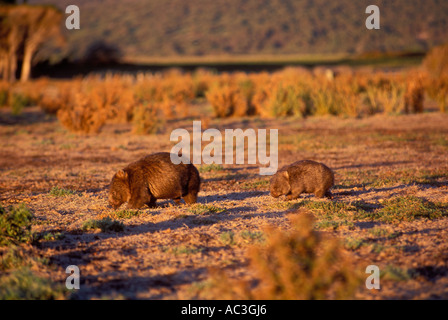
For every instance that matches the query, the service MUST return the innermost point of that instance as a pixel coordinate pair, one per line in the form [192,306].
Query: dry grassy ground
[166,252]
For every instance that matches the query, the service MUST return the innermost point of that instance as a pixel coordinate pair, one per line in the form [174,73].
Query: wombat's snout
[274,195]
[273,192]
[115,205]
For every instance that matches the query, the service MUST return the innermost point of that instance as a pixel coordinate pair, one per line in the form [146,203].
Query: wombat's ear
[121,174]
[286,174]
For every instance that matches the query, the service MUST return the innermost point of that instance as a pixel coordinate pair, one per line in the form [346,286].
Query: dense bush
[15,225]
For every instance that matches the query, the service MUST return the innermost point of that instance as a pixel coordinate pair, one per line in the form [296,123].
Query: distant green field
[380,59]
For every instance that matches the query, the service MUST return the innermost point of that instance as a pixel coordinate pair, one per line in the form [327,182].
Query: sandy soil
[166,252]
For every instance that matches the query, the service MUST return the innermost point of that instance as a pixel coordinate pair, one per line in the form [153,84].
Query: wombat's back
[164,179]
[314,175]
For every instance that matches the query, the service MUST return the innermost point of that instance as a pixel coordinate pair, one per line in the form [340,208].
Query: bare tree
[23,30]
[42,23]
[11,35]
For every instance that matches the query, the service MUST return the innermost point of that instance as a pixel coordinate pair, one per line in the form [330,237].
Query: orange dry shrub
[263,86]
[300,264]
[348,88]
[148,87]
[298,92]
[173,89]
[57,94]
[96,100]
[283,99]
[436,61]
[385,93]
[227,100]
[117,97]
[285,93]
[85,113]
[337,93]
[436,83]
[437,89]
[202,79]
[414,93]
[178,87]
[146,119]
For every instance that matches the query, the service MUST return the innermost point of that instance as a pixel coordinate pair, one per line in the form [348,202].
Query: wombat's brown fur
[151,178]
[304,176]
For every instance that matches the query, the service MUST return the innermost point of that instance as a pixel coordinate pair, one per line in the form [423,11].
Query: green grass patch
[333,214]
[50,236]
[255,184]
[333,224]
[376,248]
[202,209]
[252,236]
[227,238]
[395,273]
[379,232]
[331,209]
[382,232]
[182,250]
[15,225]
[106,225]
[125,214]
[210,168]
[409,208]
[66,146]
[353,243]
[61,192]
[375,179]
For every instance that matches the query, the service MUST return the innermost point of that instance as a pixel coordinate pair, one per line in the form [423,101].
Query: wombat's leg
[191,197]
[329,195]
[291,197]
[139,197]
[152,203]
[320,193]
[294,195]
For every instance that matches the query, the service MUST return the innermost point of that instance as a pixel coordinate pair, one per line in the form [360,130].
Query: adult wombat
[304,176]
[154,177]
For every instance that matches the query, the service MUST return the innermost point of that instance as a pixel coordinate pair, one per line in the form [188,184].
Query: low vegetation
[105,224]
[15,225]
[61,192]
[403,208]
[19,261]
[298,264]
[203,209]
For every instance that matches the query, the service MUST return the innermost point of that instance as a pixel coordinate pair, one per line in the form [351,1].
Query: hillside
[153,28]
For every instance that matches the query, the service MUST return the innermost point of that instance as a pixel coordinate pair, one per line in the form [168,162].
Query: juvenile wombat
[154,177]
[304,176]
